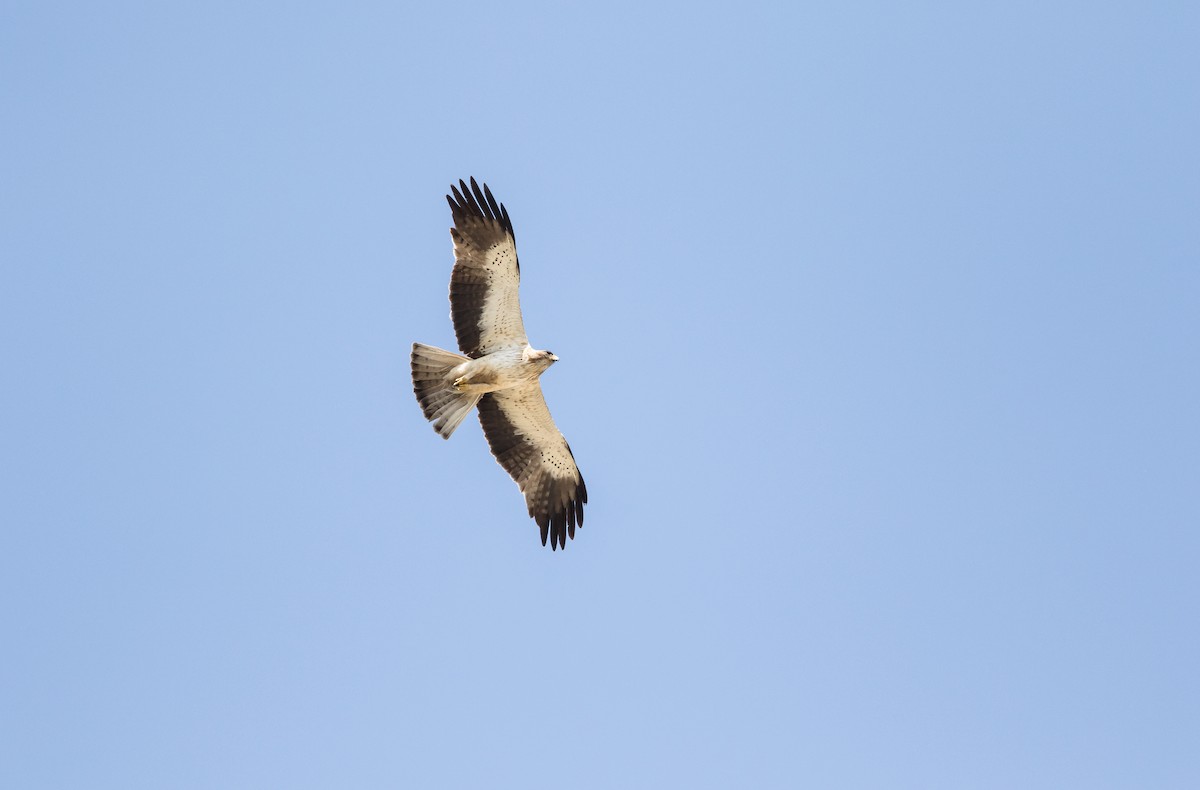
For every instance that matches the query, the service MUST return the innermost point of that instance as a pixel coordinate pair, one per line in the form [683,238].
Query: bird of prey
[498,370]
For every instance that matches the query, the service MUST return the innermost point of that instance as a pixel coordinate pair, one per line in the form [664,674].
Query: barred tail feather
[442,406]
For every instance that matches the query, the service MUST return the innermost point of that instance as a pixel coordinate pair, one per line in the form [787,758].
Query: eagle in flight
[498,370]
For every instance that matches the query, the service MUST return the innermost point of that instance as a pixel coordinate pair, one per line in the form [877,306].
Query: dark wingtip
[507,222]
[480,202]
[458,206]
[560,525]
[493,207]
[481,199]
[474,204]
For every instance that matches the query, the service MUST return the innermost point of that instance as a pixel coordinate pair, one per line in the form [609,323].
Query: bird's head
[542,358]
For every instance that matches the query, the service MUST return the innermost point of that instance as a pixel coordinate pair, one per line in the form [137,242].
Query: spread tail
[441,404]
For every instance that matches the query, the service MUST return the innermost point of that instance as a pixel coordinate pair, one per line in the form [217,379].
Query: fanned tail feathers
[442,406]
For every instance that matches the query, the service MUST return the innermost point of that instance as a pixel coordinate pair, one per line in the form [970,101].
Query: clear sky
[879,328]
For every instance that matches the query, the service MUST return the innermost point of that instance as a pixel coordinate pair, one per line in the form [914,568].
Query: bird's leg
[470,378]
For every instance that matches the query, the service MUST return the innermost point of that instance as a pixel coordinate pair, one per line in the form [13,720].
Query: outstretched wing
[528,445]
[483,286]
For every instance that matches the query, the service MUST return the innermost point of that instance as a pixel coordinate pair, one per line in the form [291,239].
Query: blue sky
[878,329]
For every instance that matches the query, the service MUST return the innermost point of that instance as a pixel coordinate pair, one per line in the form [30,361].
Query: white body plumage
[501,370]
